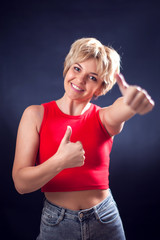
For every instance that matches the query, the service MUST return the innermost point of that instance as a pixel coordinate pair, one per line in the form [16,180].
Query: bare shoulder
[34,110]
[33,115]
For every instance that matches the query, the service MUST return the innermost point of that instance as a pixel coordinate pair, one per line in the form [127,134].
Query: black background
[35,37]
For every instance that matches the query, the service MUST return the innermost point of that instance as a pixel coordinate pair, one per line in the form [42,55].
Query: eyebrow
[90,72]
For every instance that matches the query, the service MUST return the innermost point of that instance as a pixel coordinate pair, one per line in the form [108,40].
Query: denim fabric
[102,222]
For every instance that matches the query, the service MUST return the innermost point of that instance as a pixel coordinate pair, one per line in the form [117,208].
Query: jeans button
[81,215]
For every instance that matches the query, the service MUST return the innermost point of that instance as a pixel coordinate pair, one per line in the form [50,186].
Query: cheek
[69,77]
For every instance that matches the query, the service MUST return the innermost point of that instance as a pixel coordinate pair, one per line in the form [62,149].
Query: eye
[93,78]
[77,69]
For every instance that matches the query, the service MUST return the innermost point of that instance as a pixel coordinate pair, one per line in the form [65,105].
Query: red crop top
[96,142]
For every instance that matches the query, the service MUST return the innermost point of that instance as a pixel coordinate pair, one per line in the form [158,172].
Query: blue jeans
[101,222]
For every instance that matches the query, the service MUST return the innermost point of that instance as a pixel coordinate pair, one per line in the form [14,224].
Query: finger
[83,160]
[80,144]
[67,135]
[135,97]
[131,94]
[123,85]
[146,107]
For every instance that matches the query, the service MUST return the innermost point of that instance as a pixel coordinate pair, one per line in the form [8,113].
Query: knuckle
[138,89]
[144,92]
[135,90]
[79,144]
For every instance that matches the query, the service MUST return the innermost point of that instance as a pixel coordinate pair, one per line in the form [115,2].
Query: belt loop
[61,215]
[96,213]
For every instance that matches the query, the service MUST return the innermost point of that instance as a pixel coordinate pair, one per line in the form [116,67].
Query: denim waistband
[51,206]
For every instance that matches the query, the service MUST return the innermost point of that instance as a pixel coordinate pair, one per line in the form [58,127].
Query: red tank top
[96,142]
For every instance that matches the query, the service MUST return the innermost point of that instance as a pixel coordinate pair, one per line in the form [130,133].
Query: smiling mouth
[76,88]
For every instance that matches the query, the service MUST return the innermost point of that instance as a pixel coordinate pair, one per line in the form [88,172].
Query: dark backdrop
[35,37]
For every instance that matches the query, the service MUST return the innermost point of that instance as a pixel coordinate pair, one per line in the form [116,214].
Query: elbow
[21,187]
[18,186]
[113,131]
[116,132]
[19,190]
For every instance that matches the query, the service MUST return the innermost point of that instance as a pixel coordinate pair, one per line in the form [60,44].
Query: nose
[81,79]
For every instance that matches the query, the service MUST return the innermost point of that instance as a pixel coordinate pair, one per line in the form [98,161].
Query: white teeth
[77,88]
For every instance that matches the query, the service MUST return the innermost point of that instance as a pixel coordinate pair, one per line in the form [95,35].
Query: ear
[99,91]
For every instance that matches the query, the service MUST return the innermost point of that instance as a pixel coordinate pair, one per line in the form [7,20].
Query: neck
[72,107]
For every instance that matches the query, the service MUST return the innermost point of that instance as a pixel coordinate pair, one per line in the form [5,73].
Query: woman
[63,146]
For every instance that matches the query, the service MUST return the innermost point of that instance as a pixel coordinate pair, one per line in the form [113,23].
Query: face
[82,81]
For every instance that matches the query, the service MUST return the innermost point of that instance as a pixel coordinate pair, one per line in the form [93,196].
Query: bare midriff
[78,199]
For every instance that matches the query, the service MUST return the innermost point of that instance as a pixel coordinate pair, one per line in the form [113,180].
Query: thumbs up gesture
[135,97]
[70,154]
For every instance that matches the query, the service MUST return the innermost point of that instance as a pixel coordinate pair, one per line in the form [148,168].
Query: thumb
[67,135]
[123,85]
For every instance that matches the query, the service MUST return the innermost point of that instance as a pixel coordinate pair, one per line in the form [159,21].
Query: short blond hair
[108,60]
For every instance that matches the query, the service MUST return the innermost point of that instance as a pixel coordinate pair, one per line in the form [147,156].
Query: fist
[134,96]
[70,154]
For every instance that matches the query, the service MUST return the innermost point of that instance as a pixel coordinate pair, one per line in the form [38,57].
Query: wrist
[57,162]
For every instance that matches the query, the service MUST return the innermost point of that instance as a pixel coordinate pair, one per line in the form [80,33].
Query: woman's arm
[135,100]
[26,176]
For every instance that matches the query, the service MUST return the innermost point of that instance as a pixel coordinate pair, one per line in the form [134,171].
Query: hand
[71,154]
[135,97]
